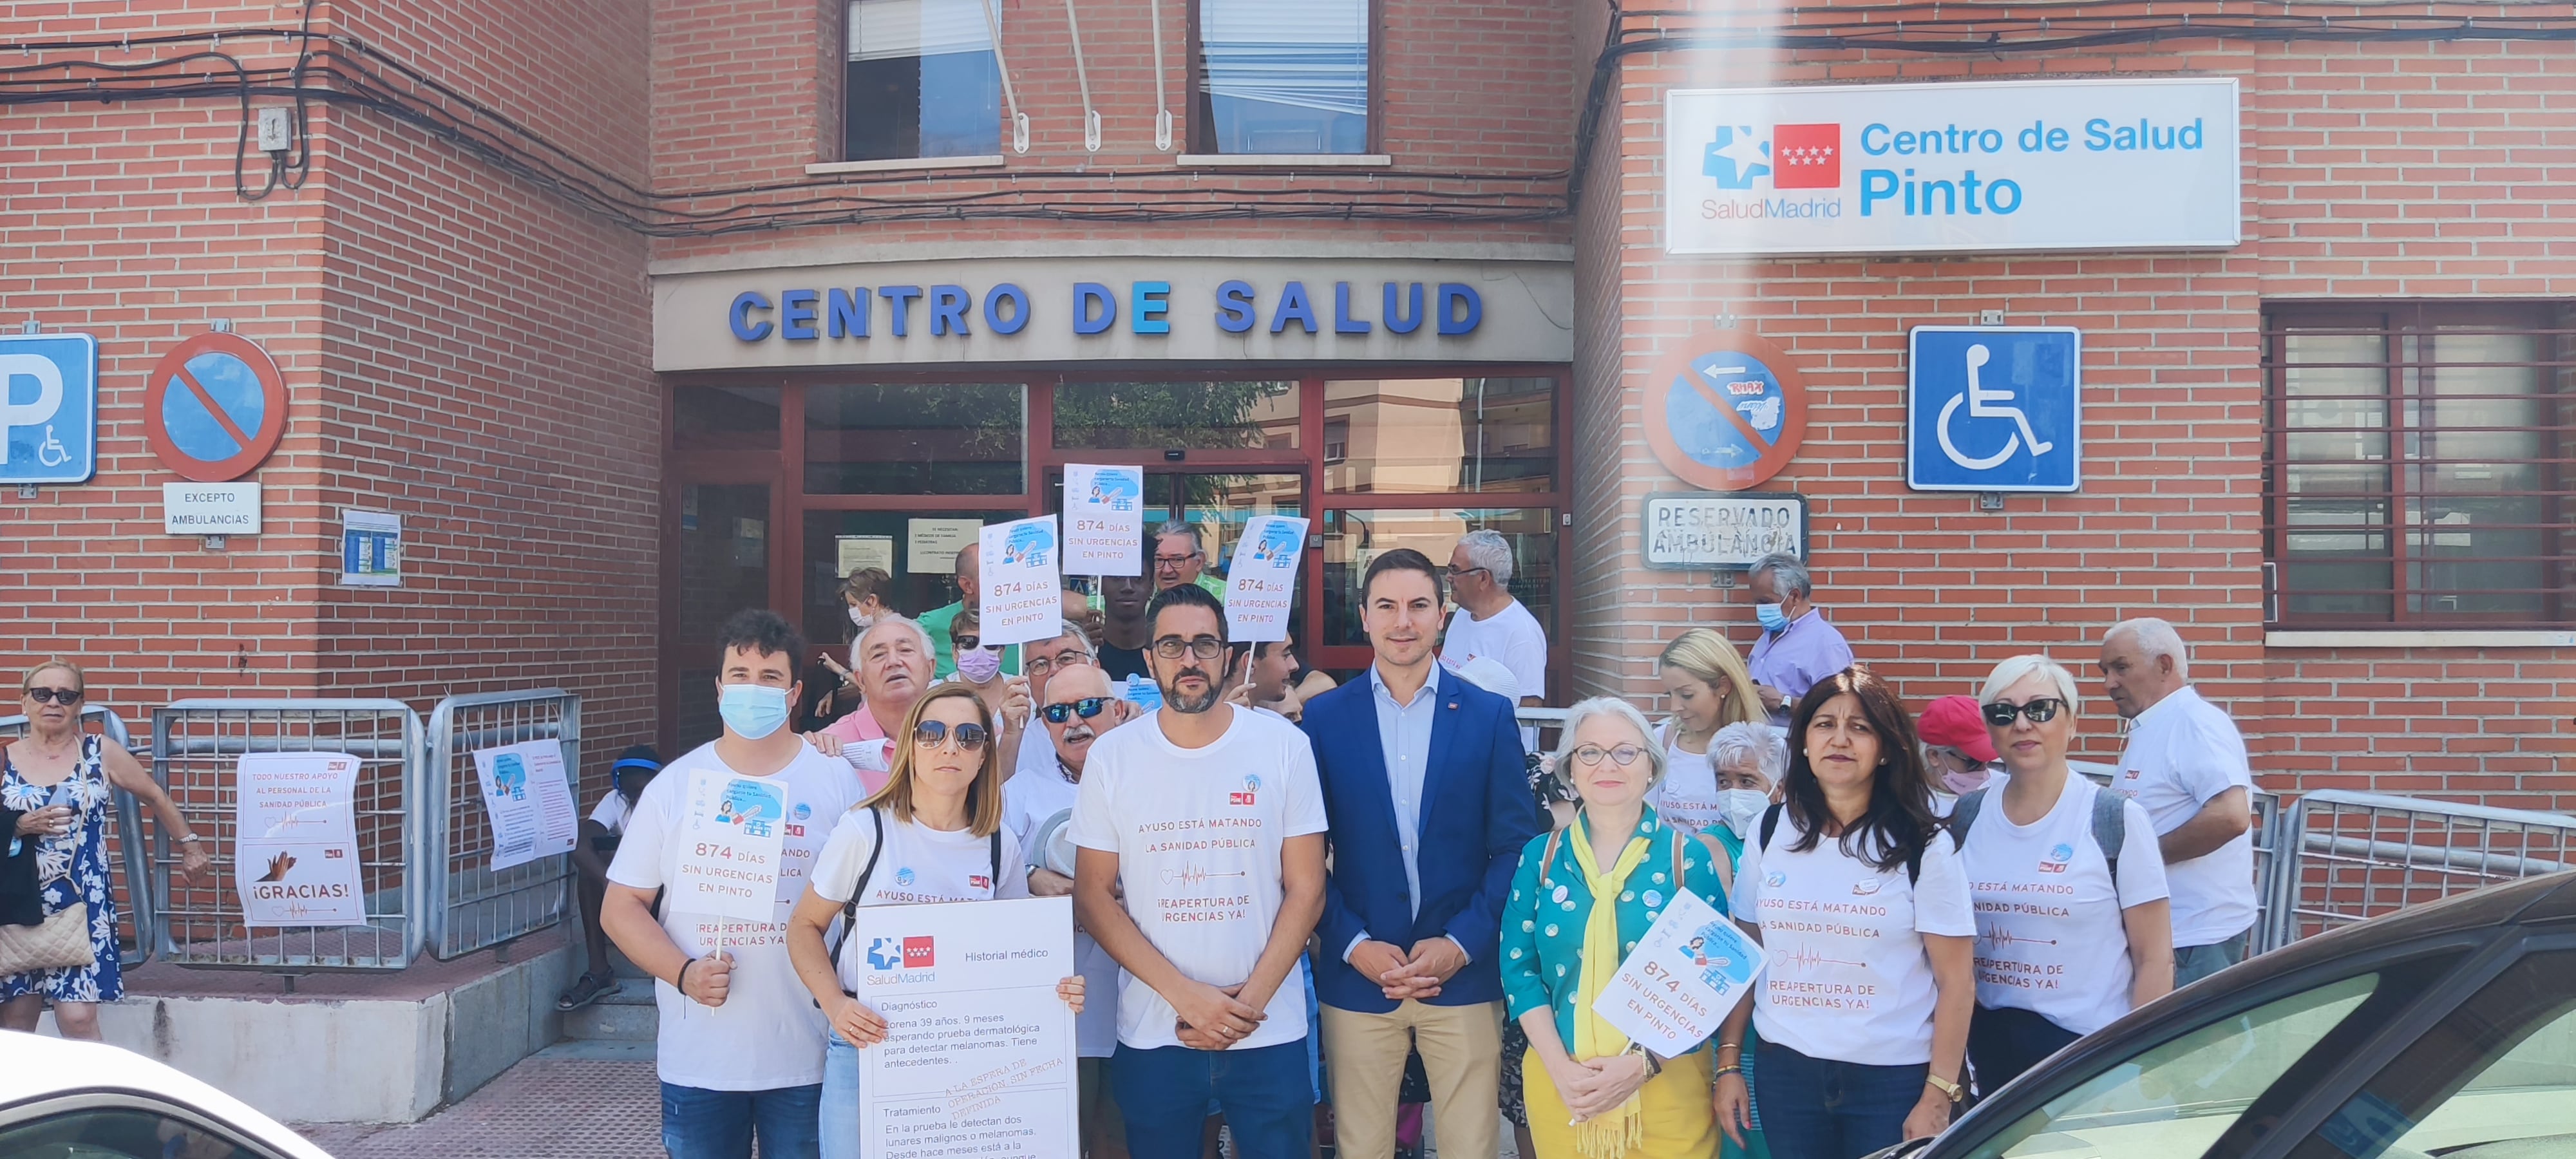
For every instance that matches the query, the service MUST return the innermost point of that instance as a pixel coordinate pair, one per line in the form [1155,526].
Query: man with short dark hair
[756,1070]
[1209,818]
[1424,778]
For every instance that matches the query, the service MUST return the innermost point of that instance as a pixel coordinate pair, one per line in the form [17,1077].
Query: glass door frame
[783,471]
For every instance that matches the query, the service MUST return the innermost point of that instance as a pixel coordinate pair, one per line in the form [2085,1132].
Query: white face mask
[863,620]
[1741,807]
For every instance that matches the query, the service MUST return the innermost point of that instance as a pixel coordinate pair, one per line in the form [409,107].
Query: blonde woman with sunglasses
[934,833]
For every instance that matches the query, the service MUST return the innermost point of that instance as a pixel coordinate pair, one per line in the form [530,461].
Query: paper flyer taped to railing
[296,860]
[528,800]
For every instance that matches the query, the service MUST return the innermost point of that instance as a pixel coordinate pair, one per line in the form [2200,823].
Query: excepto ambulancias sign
[2013,165]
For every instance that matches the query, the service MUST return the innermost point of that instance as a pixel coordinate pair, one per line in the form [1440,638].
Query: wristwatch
[1945,1086]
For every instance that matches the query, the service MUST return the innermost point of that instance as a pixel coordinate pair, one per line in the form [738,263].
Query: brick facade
[2373,171]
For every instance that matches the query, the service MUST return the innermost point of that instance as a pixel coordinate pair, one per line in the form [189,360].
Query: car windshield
[2179,1097]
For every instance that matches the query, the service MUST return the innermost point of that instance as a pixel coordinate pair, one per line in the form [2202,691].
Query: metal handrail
[129,820]
[446,741]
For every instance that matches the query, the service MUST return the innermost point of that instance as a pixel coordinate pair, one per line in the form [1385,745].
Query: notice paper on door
[296,862]
[528,800]
[1023,593]
[1104,520]
[1261,583]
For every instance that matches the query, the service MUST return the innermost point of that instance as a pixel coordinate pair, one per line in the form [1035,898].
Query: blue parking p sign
[1994,408]
[48,408]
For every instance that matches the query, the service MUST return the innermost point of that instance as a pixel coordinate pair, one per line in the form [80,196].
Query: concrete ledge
[349,1048]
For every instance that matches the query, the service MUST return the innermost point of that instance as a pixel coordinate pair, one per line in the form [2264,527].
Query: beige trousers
[1462,1051]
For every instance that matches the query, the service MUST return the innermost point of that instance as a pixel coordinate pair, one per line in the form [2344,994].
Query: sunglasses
[968,643]
[1624,755]
[1086,708]
[55,695]
[1204,647]
[930,734]
[2040,711]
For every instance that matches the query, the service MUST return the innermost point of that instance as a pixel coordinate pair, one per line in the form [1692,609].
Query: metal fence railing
[472,906]
[2355,856]
[125,839]
[197,746]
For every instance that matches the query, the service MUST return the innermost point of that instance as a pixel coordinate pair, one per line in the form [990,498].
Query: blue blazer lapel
[1446,729]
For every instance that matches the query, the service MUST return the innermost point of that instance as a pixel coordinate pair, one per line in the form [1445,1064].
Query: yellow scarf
[1603,1136]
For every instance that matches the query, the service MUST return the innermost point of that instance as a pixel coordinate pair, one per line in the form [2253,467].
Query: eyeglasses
[55,695]
[1452,573]
[2040,711]
[1624,755]
[1086,708]
[930,733]
[1204,647]
[1173,561]
[968,643]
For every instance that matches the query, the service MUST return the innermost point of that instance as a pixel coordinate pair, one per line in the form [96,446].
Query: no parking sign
[214,408]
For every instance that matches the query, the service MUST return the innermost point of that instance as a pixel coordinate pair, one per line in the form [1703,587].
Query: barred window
[2419,464]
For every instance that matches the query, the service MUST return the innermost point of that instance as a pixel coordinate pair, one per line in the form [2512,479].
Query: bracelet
[681,983]
[187,839]
[1730,1068]
[1737,1047]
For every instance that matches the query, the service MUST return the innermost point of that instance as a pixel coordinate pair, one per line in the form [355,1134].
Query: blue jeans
[2005,1041]
[1267,1095]
[704,1124]
[2193,963]
[838,1121]
[1814,1108]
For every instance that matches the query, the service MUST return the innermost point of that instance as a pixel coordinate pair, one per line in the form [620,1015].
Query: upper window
[1282,78]
[922,81]
[2421,465]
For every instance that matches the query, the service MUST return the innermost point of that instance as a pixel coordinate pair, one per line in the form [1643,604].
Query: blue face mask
[752,711]
[1773,619]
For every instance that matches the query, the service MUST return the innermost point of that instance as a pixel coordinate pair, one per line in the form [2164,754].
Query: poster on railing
[1022,594]
[731,841]
[1261,583]
[295,861]
[1104,520]
[1685,976]
[529,801]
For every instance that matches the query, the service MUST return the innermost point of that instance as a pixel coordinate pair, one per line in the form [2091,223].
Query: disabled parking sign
[1993,408]
[48,408]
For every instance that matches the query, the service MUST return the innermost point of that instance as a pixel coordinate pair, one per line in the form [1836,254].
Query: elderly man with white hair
[2185,764]
[1489,622]
[894,657]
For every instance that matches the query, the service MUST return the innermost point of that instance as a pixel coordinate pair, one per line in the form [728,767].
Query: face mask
[1965,782]
[979,665]
[1741,807]
[1773,619]
[752,711]
[861,619]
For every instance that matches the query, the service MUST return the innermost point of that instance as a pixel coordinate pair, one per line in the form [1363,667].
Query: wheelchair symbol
[51,452]
[1986,404]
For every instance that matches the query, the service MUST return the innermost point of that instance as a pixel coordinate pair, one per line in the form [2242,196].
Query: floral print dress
[72,868]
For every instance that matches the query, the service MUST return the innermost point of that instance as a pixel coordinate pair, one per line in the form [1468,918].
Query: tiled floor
[573,1101]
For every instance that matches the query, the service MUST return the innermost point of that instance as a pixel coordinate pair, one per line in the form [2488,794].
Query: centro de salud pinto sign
[1944,168]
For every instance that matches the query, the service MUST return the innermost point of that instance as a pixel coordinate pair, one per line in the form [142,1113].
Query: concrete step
[624,1015]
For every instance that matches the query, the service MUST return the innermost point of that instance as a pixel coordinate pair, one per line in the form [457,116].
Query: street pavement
[573,1100]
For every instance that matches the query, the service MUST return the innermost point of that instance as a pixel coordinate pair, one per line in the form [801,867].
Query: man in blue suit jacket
[1425,789]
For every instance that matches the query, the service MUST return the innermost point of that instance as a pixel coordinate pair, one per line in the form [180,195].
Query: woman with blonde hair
[1580,900]
[1710,690]
[938,821]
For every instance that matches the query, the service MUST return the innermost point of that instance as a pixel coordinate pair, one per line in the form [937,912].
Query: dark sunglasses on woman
[55,695]
[1086,708]
[2040,711]
[930,734]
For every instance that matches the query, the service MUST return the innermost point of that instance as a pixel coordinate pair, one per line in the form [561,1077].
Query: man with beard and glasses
[1209,817]
[1076,708]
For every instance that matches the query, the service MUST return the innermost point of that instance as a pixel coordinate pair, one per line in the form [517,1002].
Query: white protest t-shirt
[2182,752]
[768,1034]
[1198,834]
[612,811]
[1849,979]
[2050,934]
[1028,801]
[920,864]
[1511,636]
[1687,796]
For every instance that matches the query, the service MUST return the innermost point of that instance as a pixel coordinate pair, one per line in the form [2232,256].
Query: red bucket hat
[1955,722]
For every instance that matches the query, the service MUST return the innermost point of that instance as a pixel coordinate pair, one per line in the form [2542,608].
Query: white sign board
[528,800]
[1722,531]
[931,545]
[1261,582]
[1022,595]
[370,549]
[296,861]
[730,846]
[1685,976]
[1104,520]
[210,508]
[853,552]
[979,1052]
[1945,168]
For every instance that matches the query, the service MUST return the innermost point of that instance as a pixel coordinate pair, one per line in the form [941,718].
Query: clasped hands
[1416,974]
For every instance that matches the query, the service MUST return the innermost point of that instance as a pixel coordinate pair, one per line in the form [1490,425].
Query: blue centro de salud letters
[1809,156]
[1452,309]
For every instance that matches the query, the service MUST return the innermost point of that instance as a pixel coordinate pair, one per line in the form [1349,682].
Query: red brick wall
[2374,171]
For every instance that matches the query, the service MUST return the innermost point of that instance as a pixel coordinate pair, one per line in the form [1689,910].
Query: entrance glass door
[722,560]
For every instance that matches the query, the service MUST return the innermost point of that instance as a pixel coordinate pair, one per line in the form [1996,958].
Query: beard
[1174,700]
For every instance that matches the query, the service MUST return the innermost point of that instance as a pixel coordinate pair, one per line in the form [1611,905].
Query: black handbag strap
[850,908]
